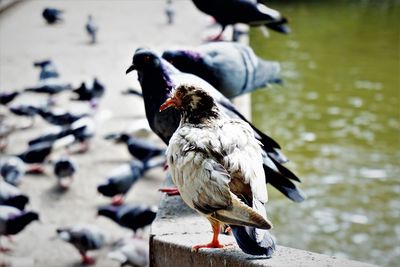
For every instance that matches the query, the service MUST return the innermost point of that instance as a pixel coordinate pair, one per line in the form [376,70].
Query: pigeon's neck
[156,86]
[200,116]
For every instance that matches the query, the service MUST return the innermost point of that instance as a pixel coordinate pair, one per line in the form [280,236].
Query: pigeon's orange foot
[170,191]
[117,200]
[209,245]
[87,260]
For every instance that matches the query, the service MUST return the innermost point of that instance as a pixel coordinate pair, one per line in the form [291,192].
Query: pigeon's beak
[170,102]
[131,68]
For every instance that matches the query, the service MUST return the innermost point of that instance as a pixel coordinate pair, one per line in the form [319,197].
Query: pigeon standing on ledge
[157,78]
[232,68]
[216,164]
[229,12]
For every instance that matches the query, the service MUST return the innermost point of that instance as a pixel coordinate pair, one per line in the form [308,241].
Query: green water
[337,118]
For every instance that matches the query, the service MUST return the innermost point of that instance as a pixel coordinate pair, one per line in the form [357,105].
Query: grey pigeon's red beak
[131,68]
[170,102]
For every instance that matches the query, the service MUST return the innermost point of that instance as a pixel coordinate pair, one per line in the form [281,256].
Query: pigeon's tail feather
[267,73]
[283,184]
[248,243]
[279,26]
[241,214]
[252,240]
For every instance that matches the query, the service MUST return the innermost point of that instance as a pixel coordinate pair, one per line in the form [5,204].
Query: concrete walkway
[124,26]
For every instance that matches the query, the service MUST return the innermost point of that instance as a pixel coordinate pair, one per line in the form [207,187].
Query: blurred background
[337,115]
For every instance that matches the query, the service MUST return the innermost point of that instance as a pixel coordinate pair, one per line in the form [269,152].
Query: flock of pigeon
[218,160]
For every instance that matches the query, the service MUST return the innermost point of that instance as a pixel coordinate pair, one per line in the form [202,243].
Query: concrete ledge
[177,228]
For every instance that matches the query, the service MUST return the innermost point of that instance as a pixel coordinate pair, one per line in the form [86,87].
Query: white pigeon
[216,164]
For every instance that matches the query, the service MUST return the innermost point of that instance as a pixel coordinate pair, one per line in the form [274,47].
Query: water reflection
[338,118]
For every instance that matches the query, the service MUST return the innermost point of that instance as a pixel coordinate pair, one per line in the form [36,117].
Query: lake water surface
[337,117]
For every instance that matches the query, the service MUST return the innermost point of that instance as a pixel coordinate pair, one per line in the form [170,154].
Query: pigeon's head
[194,103]
[181,59]
[143,60]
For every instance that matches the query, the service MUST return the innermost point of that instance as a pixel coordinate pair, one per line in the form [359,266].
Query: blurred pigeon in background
[47,69]
[170,12]
[12,196]
[28,111]
[229,12]
[52,15]
[64,169]
[131,252]
[58,117]
[232,68]
[157,78]
[12,169]
[13,221]
[140,149]
[91,29]
[133,217]
[7,97]
[84,238]
[38,153]
[121,179]
[75,131]
[91,94]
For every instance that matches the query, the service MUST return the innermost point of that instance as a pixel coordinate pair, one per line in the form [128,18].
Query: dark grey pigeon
[84,238]
[13,221]
[47,69]
[52,15]
[232,68]
[91,29]
[121,179]
[140,149]
[92,93]
[229,12]
[12,196]
[133,217]
[58,117]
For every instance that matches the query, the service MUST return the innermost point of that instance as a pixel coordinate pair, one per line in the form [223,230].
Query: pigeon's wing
[202,181]
[243,161]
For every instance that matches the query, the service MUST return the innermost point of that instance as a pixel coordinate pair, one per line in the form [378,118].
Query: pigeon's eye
[146,59]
